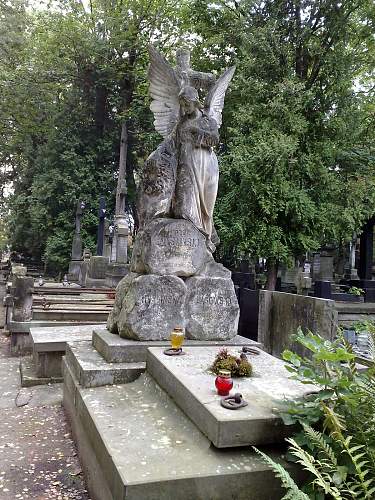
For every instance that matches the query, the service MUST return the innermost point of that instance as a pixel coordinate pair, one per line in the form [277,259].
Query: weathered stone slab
[91,370]
[187,380]
[115,273]
[55,338]
[170,246]
[115,349]
[148,307]
[281,314]
[211,309]
[152,306]
[135,443]
[98,267]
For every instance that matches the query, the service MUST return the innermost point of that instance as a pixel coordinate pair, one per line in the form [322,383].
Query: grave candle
[223,382]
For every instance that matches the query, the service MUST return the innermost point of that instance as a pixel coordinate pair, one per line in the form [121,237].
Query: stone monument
[174,279]
[101,226]
[76,261]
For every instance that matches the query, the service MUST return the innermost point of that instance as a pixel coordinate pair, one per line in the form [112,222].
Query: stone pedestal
[97,269]
[121,240]
[74,270]
[148,307]
[170,246]
[23,299]
[115,272]
[77,247]
[174,281]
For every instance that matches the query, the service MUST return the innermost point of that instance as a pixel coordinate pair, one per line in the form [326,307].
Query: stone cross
[196,79]
[79,213]
[101,228]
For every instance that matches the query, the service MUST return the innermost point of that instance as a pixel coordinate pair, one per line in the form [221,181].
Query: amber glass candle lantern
[223,382]
[177,338]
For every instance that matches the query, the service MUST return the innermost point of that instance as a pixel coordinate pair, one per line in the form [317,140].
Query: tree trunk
[272,268]
[121,183]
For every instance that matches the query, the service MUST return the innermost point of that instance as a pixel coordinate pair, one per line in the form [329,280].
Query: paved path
[38,459]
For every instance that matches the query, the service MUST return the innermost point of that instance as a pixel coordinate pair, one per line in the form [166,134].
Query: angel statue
[180,179]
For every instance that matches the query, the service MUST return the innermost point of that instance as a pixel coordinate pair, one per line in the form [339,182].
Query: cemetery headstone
[101,228]
[76,255]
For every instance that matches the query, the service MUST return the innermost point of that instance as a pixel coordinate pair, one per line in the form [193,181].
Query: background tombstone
[326,265]
[108,237]
[101,226]
[97,269]
[76,260]
[23,299]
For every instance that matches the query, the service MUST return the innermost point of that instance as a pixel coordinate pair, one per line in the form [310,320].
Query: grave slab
[191,385]
[116,349]
[135,443]
[56,338]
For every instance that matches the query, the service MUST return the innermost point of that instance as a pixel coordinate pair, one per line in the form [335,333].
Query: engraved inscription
[177,237]
[161,300]
[212,299]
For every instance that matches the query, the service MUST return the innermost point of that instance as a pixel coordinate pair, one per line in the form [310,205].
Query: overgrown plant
[336,444]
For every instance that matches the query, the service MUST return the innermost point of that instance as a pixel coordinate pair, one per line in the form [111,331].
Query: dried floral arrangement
[238,366]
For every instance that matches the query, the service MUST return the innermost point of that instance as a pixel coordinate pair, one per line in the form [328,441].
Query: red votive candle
[223,382]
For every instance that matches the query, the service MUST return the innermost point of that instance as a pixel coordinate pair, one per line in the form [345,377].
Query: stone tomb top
[55,338]
[188,381]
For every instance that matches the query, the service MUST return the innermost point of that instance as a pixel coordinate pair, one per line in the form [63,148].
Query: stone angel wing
[214,102]
[164,90]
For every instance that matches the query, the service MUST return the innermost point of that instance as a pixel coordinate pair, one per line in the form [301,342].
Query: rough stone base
[166,457]
[170,247]
[149,307]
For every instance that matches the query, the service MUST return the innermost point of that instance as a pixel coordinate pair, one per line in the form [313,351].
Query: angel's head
[189,100]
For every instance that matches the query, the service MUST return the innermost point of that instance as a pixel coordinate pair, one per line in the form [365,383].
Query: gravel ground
[38,459]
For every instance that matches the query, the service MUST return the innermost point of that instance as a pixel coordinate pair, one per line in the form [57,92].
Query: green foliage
[337,443]
[293,492]
[296,134]
[69,77]
[238,366]
[356,291]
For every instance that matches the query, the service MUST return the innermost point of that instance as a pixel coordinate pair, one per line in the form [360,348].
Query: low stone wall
[280,315]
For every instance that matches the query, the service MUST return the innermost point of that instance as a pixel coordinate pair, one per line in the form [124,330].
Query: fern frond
[333,422]
[309,463]
[293,491]
[319,440]
[361,473]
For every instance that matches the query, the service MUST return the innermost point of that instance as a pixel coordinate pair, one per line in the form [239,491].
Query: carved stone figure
[174,280]
[180,178]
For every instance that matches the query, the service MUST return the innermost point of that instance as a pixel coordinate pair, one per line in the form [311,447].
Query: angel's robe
[197,174]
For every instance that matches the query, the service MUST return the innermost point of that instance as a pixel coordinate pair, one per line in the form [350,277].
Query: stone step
[115,349]
[99,316]
[136,444]
[29,376]
[91,370]
[25,326]
[55,338]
